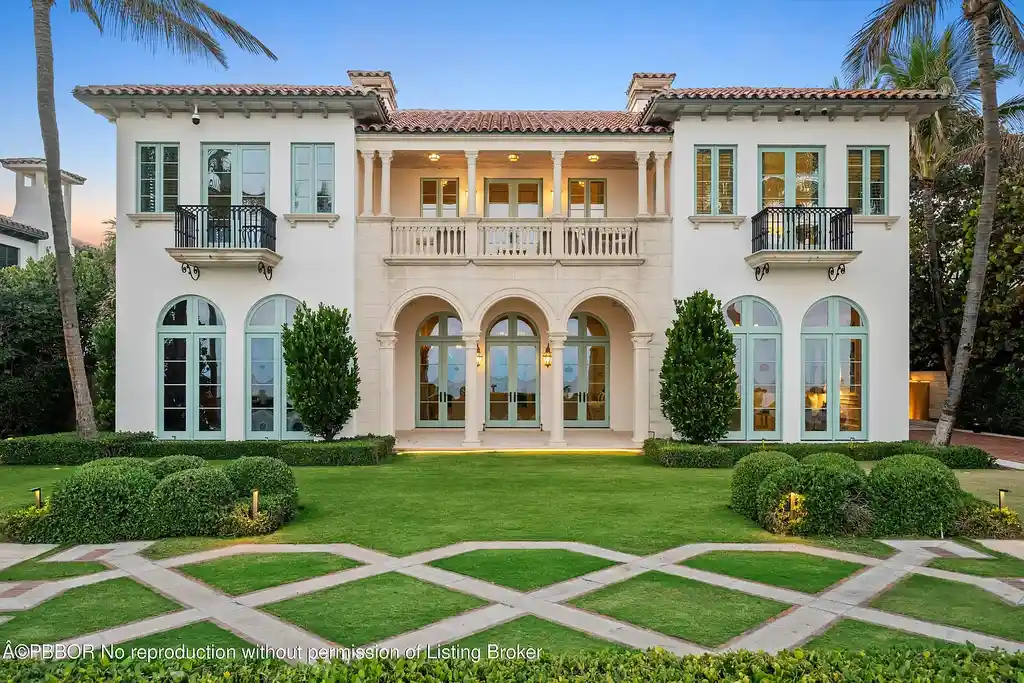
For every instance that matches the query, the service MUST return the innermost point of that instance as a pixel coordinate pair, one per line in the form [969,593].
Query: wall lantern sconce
[547,356]
[593,158]
[255,503]
[39,496]
[513,157]
[479,357]
[434,156]
[1002,498]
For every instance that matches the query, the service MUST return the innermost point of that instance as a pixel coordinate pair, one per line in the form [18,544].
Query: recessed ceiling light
[593,158]
[513,157]
[433,156]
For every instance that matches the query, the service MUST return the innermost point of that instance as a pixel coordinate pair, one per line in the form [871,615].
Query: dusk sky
[456,55]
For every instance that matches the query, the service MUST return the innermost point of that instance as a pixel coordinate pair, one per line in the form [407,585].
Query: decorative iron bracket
[191,270]
[265,270]
[835,271]
[761,271]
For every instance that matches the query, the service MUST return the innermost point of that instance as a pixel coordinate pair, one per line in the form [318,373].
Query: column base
[471,444]
[557,444]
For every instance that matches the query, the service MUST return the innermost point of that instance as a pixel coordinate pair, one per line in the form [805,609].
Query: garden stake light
[255,502]
[1002,498]
[39,496]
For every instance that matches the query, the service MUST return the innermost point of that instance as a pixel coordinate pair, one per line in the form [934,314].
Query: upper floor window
[439,197]
[9,256]
[867,181]
[518,198]
[158,177]
[313,178]
[715,176]
[588,198]
[791,176]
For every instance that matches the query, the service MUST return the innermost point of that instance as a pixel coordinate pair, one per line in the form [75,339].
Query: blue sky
[453,54]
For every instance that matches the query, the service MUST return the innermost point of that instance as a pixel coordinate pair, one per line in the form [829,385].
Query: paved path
[809,615]
[1001,447]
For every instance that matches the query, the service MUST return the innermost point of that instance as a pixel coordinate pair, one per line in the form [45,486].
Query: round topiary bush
[119,461]
[269,475]
[748,474]
[191,502]
[102,504]
[833,500]
[170,464]
[913,494]
[834,459]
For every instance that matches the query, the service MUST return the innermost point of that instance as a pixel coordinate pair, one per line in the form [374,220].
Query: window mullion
[714,181]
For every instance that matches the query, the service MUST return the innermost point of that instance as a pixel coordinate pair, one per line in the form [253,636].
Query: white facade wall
[27,249]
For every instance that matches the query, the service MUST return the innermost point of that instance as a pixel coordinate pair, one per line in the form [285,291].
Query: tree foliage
[323,370]
[698,376]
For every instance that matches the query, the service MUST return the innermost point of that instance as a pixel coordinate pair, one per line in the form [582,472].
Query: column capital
[557,339]
[557,155]
[387,340]
[642,157]
[385,156]
[641,340]
[368,153]
[471,156]
[661,156]
[471,338]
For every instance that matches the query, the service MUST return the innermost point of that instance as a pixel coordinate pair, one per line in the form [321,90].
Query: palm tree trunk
[84,419]
[979,19]
[935,272]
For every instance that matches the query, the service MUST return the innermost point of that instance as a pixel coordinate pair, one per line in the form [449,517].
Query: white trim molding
[138,219]
[295,218]
[735,221]
[888,221]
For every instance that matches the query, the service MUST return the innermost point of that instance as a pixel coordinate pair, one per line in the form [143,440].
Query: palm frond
[889,25]
[86,8]
[1011,112]
[1007,36]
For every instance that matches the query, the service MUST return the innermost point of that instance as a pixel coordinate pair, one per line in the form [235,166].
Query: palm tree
[996,32]
[185,26]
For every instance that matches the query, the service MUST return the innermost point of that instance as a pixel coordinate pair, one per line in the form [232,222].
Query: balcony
[225,236]
[515,241]
[802,237]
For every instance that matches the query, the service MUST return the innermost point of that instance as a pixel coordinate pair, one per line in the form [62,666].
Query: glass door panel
[597,383]
[429,387]
[255,172]
[498,203]
[764,368]
[571,383]
[174,409]
[498,380]
[773,179]
[209,366]
[527,384]
[455,393]
[850,359]
[528,200]
[736,427]
[816,384]
[807,168]
[262,386]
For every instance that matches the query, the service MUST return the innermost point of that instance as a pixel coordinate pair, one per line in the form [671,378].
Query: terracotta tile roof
[240,90]
[358,73]
[748,93]
[461,121]
[16,229]
[646,74]
[38,161]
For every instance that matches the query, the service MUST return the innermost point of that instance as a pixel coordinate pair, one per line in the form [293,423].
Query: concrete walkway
[810,614]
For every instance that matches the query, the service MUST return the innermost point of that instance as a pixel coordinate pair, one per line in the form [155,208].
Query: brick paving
[1002,447]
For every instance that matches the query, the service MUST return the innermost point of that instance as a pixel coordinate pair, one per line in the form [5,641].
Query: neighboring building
[511,268]
[26,234]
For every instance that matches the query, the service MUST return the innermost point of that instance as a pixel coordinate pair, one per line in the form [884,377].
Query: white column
[368,183]
[471,182]
[556,176]
[641,385]
[385,183]
[557,341]
[386,389]
[473,399]
[641,183]
[659,183]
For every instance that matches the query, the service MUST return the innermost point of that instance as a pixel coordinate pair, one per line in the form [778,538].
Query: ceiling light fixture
[434,156]
[513,157]
[593,158]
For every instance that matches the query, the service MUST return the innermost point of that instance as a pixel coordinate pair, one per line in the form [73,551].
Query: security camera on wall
[195,115]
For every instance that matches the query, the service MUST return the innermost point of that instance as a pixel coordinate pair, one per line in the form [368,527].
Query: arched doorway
[757,333]
[585,375]
[512,383]
[834,343]
[440,372]
[270,413]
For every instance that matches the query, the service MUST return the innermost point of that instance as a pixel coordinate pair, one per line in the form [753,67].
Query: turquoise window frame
[581,341]
[747,332]
[272,332]
[513,195]
[513,341]
[439,204]
[714,199]
[790,173]
[833,334]
[159,195]
[191,332]
[237,150]
[443,342]
[866,183]
[309,203]
[587,203]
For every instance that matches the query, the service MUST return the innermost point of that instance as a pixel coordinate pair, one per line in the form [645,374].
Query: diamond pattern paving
[199,635]
[241,574]
[799,572]
[856,635]
[524,570]
[529,631]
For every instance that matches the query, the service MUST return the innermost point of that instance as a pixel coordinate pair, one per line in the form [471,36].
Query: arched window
[440,372]
[269,414]
[834,346]
[190,397]
[585,387]
[757,333]
[513,372]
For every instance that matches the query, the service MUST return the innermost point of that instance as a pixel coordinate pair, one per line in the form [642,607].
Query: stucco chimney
[31,202]
[380,81]
[643,87]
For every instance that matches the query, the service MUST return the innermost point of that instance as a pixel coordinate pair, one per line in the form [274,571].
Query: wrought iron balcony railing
[791,228]
[225,227]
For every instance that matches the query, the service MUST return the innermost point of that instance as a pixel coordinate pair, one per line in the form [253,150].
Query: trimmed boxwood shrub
[833,499]
[67,449]
[695,455]
[750,472]
[274,510]
[209,450]
[956,457]
[27,524]
[835,459]
[175,463]
[269,475]
[976,518]
[102,504]
[913,494]
[353,452]
[191,502]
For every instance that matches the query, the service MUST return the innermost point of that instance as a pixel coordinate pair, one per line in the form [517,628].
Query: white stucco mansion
[511,269]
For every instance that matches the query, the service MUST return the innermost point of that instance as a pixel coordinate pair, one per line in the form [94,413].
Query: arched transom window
[513,372]
[441,372]
[270,414]
[757,333]
[834,348]
[585,376]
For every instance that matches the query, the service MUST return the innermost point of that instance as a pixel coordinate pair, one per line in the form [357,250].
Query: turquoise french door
[585,385]
[513,384]
[757,364]
[191,400]
[791,176]
[834,378]
[271,414]
[441,385]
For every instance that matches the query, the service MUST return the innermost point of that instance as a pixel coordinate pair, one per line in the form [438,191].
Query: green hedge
[102,505]
[833,500]
[170,464]
[68,449]
[913,494]
[750,472]
[976,518]
[191,502]
[269,475]
[695,455]
[369,451]
[942,665]
[833,459]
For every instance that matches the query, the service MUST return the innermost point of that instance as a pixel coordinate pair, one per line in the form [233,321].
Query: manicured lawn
[858,635]
[372,609]
[956,604]
[186,545]
[985,484]
[797,571]
[523,570]
[529,631]
[242,574]
[1002,566]
[84,610]
[16,482]
[35,570]
[199,635]
[694,611]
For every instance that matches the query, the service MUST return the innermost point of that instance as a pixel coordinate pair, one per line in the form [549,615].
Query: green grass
[529,631]
[240,574]
[955,604]
[852,635]
[199,635]
[524,570]
[1001,566]
[806,573]
[35,570]
[186,545]
[850,544]
[83,610]
[985,484]
[16,482]
[372,609]
[694,611]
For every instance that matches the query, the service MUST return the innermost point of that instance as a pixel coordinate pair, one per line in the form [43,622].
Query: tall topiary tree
[323,371]
[698,377]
